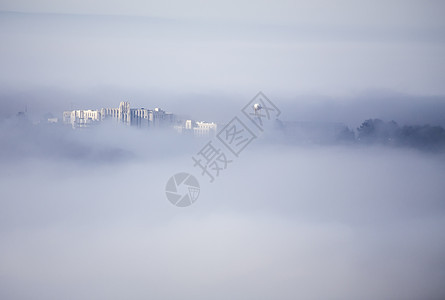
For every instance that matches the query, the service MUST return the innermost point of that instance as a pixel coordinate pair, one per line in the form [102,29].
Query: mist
[87,217]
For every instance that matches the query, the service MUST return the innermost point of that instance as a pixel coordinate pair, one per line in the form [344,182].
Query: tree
[377,131]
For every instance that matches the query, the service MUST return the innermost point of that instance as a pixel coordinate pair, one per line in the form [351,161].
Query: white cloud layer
[283,222]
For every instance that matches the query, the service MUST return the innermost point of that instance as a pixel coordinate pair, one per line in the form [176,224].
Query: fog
[87,217]
[335,200]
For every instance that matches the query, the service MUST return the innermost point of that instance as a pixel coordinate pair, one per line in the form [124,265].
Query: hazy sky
[280,47]
[352,13]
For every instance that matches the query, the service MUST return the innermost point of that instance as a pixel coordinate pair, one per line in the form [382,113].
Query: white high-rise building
[199,129]
[109,113]
[81,118]
[205,129]
[124,114]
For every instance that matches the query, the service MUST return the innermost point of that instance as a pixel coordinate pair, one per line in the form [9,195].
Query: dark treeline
[21,138]
[423,137]
[370,132]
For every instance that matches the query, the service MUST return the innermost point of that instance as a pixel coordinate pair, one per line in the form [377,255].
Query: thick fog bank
[281,222]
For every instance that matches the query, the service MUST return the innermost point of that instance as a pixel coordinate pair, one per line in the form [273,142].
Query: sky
[288,48]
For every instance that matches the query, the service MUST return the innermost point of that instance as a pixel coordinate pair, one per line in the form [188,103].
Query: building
[52,120]
[160,118]
[109,113]
[205,129]
[124,114]
[139,117]
[81,118]
[198,129]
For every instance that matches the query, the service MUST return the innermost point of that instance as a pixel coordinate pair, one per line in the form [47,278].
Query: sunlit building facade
[198,129]
[139,117]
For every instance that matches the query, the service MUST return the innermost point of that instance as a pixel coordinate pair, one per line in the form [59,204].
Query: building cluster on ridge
[138,117]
